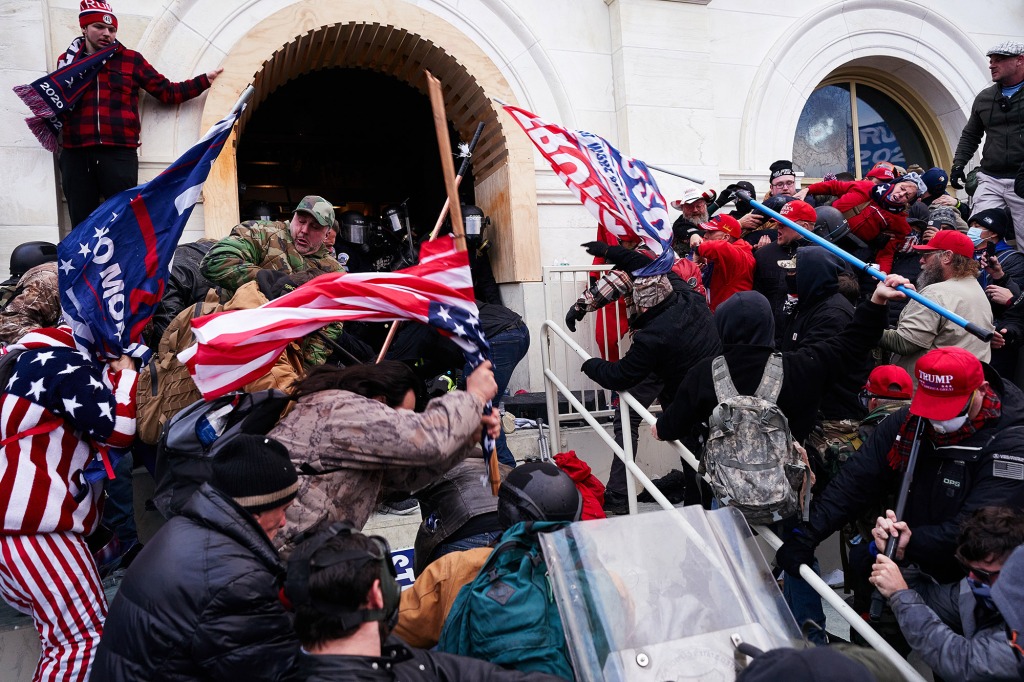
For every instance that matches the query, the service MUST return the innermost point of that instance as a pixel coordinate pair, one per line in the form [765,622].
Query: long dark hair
[388,378]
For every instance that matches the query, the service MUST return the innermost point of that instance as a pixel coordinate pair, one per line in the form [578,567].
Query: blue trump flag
[113,266]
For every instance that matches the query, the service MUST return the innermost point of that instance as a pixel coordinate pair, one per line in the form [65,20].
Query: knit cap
[256,472]
[96,12]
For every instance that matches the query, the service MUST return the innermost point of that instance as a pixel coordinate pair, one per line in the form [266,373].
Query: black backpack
[192,438]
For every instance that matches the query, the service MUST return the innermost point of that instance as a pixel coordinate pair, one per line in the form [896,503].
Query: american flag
[113,266]
[617,189]
[238,346]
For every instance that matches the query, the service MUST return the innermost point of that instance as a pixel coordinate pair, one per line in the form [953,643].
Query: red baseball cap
[889,381]
[799,210]
[949,240]
[882,173]
[724,223]
[946,378]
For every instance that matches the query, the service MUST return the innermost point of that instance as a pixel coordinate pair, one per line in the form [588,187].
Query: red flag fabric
[238,346]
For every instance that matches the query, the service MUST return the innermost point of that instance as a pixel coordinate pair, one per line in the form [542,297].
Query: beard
[930,274]
[697,217]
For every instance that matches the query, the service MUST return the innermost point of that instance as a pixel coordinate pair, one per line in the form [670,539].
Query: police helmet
[353,227]
[538,491]
[830,225]
[30,254]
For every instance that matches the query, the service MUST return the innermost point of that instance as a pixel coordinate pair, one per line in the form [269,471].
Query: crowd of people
[263,571]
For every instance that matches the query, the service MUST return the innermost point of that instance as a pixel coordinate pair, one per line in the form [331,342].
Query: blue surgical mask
[983,593]
[975,234]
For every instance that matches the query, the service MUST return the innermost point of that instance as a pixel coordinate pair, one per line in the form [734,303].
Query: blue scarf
[53,96]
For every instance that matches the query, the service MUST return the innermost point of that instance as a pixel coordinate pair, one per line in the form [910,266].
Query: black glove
[957,177]
[275,283]
[574,315]
[589,366]
[599,249]
[798,549]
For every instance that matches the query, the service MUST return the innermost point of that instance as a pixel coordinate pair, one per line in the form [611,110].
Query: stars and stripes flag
[617,189]
[235,347]
[113,266]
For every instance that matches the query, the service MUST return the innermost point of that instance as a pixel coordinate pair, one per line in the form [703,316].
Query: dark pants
[801,598]
[119,509]
[646,392]
[508,347]
[91,175]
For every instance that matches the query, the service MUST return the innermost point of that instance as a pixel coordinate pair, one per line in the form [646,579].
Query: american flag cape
[238,346]
[618,190]
[113,267]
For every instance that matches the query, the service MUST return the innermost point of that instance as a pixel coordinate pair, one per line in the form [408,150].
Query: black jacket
[402,662]
[821,313]
[185,285]
[1003,153]
[770,279]
[200,603]
[949,483]
[667,339]
[806,373]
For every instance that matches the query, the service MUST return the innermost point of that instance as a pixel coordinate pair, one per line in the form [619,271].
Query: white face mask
[948,425]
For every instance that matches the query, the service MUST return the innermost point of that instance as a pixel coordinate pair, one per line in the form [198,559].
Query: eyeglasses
[1004,103]
[792,183]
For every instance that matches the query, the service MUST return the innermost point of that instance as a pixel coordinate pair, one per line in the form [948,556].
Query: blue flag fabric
[113,266]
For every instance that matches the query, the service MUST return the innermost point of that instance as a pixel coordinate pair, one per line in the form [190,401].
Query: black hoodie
[745,324]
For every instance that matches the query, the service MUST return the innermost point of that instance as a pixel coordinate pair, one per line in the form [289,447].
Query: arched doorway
[504,184]
[366,141]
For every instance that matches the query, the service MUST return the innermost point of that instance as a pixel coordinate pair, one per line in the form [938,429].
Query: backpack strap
[771,380]
[724,388]
[855,210]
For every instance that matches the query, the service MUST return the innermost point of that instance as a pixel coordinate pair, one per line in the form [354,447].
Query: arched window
[850,126]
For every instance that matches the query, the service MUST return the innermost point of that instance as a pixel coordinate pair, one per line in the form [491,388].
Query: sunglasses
[1004,103]
[983,576]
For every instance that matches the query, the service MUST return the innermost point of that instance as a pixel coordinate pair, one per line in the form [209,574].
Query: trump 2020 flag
[618,190]
[113,266]
[235,347]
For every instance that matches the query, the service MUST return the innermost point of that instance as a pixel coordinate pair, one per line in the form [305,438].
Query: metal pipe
[678,175]
[984,335]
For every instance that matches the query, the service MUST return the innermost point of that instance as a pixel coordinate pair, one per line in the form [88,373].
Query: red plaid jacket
[109,113]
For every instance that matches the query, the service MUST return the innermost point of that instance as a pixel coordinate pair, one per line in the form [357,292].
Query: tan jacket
[363,447]
[424,607]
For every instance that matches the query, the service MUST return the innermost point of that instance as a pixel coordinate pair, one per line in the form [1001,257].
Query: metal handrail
[554,386]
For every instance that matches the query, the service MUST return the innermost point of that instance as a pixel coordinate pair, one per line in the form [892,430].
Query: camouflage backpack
[749,454]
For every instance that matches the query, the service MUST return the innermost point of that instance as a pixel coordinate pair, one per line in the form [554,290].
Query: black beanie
[256,472]
[780,168]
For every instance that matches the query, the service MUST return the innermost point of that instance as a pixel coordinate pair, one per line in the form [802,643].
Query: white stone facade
[711,88]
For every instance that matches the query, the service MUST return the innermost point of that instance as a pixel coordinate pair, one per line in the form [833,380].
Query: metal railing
[555,281]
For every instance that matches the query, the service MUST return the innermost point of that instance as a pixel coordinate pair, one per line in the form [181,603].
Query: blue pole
[983,334]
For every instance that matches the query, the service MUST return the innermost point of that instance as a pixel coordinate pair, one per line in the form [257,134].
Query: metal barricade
[563,285]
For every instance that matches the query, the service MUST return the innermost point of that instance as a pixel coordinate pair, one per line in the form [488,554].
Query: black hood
[817,274]
[745,318]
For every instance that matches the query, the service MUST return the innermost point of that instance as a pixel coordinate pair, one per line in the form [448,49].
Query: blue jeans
[485,539]
[119,509]
[508,347]
[803,601]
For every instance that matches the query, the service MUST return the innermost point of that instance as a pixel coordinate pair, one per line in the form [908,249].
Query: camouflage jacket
[35,303]
[261,245]
[348,449]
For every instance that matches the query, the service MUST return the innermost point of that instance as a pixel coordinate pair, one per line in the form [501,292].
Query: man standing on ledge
[998,114]
[101,133]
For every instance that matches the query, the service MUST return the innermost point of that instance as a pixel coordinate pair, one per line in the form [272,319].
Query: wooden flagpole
[445,146]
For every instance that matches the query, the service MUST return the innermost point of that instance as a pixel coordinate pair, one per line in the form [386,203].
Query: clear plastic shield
[659,596]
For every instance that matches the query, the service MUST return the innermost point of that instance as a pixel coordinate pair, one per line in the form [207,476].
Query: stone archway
[400,40]
[915,46]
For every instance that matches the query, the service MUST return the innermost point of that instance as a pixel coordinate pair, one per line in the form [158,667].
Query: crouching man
[342,586]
